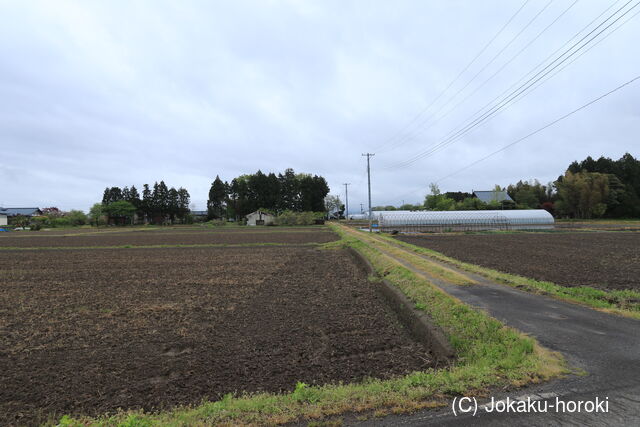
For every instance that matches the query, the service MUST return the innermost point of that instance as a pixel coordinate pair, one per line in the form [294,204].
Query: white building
[260,218]
[3,219]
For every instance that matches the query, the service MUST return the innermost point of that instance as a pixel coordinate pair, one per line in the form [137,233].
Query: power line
[454,136]
[455,79]
[502,67]
[421,127]
[548,125]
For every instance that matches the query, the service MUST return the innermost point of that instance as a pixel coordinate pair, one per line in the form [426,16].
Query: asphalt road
[605,347]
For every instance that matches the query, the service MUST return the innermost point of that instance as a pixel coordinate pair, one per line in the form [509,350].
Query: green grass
[633,221]
[625,302]
[435,270]
[489,355]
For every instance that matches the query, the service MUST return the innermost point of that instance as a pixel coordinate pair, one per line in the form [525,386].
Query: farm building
[438,221]
[200,215]
[20,211]
[492,196]
[11,212]
[260,218]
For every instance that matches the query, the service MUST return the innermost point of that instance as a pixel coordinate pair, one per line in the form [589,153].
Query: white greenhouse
[439,221]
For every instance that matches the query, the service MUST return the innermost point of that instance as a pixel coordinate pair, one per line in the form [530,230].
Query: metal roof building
[492,196]
[20,211]
[439,221]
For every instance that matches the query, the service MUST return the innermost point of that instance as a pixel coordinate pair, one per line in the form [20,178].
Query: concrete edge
[420,326]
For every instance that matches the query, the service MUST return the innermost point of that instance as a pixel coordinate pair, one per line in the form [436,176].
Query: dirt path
[605,347]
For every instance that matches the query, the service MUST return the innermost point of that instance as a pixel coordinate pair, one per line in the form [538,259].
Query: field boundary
[168,246]
[418,323]
[619,302]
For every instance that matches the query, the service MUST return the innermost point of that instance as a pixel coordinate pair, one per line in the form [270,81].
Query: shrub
[296,218]
[40,221]
[76,217]
[61,222]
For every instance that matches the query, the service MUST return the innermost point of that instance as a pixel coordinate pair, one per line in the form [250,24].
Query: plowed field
[606,260]
[90,331]
[159,237]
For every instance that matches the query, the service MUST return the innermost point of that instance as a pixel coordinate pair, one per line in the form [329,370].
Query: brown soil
[606,260]
[146,238]
[87,332]
[161,229]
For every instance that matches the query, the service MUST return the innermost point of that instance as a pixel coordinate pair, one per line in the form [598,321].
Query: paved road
[605,347]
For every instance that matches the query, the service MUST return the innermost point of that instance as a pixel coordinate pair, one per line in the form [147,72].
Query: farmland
[87,331]
[159,238]
[604,260]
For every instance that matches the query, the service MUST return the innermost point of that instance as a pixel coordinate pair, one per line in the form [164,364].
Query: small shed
[260,218]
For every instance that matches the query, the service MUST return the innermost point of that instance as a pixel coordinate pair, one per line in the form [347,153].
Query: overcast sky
[115,93]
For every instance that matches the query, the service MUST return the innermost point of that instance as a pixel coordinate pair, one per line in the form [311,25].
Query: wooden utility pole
[369,155]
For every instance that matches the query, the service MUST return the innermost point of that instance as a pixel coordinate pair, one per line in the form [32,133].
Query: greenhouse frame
[441,221]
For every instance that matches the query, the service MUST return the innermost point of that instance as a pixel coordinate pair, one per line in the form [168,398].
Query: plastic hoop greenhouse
[440,221]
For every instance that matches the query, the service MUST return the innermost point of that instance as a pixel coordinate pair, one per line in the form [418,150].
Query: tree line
[602,188]
[158,205]
[588,189]
[288,191]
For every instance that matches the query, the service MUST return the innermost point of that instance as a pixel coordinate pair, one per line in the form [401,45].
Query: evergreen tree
[217,196]
[173,204]
[134,197]
[289,191]
[183,203]
[147,202]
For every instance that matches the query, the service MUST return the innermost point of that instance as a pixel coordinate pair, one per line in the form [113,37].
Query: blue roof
[492,196]
[20,211]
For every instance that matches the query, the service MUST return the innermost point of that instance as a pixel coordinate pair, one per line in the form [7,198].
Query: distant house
[493,196]
[260,218]
[199,215]
[28,212]
[3,219]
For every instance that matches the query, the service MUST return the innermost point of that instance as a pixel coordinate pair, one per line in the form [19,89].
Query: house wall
[251,218]
[3,220]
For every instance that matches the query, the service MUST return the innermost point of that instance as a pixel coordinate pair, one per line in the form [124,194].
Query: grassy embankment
[624,303]
[489,355]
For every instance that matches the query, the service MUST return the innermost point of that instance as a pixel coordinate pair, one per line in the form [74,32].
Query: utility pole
[346,196]
[369,155]
[361,208]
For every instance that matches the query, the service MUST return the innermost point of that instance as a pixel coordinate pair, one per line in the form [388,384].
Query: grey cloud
[119,93]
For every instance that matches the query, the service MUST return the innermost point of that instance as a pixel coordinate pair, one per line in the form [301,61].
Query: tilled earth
[90,331]
[148,238]
[605,260]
